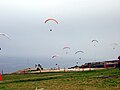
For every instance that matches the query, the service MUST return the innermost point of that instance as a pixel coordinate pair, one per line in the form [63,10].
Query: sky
[80,22]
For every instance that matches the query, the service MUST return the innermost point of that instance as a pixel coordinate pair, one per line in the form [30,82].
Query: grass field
[88,80]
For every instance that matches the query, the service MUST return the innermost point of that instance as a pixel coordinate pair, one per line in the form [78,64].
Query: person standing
[35,65]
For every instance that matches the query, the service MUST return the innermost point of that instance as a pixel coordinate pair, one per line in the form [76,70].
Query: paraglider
[95,41]
[79,52]
[66,48]
[51,19]
[54,56]
[115,45]
[3,34]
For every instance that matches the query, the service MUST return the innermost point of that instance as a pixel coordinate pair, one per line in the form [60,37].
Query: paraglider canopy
[79,52]
[95,41]
[66,47]
[3,34]
[51,19]
[54,56]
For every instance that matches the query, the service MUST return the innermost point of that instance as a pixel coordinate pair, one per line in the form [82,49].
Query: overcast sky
[80,22]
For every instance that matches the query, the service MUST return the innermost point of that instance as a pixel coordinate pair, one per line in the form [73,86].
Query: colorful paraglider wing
[51,19]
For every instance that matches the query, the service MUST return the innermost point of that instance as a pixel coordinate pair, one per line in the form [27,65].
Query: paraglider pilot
[50,29]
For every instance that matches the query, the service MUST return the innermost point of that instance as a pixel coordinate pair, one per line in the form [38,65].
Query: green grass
[88,80]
